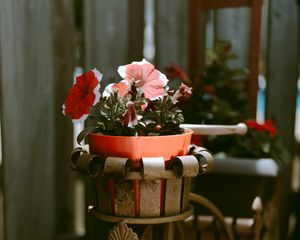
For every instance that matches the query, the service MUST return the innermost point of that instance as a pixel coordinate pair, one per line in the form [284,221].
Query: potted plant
[134,118]
[138,107]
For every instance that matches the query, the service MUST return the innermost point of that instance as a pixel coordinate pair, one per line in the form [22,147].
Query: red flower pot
[135,148]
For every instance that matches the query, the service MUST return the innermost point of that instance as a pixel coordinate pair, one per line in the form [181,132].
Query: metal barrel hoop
[75,154]
[205,158]
[153,168]
[116,167]
[185,166]
[86,163]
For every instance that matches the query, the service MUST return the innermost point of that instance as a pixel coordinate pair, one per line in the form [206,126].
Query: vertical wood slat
[27,118]
[113,35]
[186,182]
[150,194]
[173,193]
[171,33]
[195,37]
[282,75]
[136,30]
[1,169]
[282,68]
[105,35]
[233,25]
[64,40]
[124,198]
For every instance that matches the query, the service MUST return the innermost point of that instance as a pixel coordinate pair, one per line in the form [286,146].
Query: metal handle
[202,129]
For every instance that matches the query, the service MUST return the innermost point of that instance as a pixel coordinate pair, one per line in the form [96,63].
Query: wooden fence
[41,41]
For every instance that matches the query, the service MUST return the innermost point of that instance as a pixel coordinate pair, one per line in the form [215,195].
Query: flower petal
[122,87]
[146,77]
[131,118]
[83,94]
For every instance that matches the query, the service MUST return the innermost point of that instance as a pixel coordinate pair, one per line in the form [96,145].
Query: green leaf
[84,133]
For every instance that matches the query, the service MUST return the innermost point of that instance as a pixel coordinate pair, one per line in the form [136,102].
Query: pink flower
[183,90]
[122,87]
[146,77]
[130,119]
[83,94]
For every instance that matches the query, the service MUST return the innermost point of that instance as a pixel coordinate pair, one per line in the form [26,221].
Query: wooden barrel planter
[151,187]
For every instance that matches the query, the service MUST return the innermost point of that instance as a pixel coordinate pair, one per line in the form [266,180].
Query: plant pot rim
[186,132]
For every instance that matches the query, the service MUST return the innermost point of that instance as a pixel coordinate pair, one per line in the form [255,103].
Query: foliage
[139,105]
[261,141]
[159,117]
[220,97]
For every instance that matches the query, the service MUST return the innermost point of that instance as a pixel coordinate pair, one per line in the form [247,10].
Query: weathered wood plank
[64,40]
[173,194]
[1,173]
[28,116]
[105,35]
[1,198]
[171,33]
[234,25]
[136,30]
[186,184]
[150,198]
[113,35]
[282,68]
[282,75]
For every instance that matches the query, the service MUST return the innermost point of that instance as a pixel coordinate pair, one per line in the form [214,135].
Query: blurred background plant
[261,141]
[220,97]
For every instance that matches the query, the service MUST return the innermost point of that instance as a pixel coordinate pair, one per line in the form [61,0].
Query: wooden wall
[113,34]
[36,71]
[282,67]
[171,31]
[283,56]
[64,42]
[27,119]
[38,44]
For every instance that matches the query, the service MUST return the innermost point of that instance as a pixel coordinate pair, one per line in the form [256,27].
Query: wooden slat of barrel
[173,194]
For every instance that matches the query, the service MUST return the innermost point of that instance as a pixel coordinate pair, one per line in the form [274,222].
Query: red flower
[174,72]
[270,127]
[251,123]
[209,88]
[266,127]
[83,94]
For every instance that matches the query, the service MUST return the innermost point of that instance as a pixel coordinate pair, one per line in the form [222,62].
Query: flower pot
[137,147]
[125,197]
